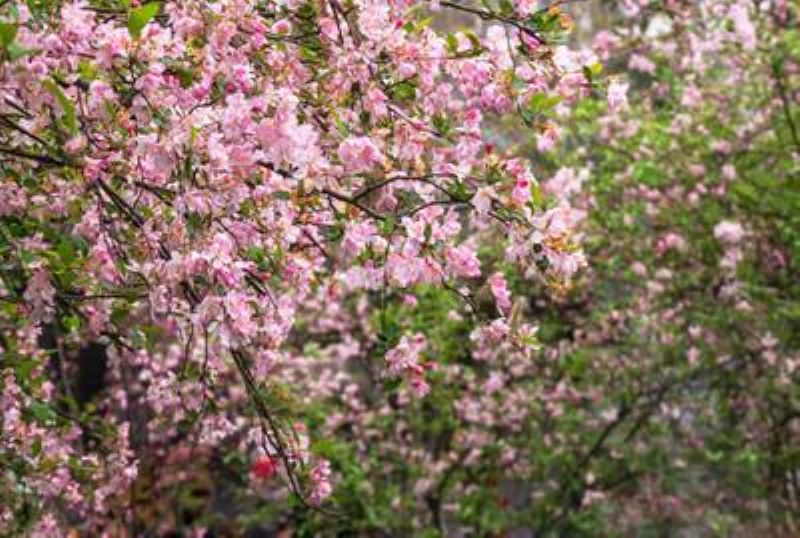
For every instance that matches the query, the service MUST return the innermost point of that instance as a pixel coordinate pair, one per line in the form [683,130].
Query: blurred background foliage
[664,400]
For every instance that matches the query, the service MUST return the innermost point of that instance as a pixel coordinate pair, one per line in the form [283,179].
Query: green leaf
[120,313]
[140,16]
[87,71]
[66,250]
[452,43]
[17,51]
[405,90]
[342,127]
[185,76]
[8,32]
[387,226]
[442,124]
[27,257]
[70,120]
[71,323]
[506,8]
[419,26]
[648,173]
[542,102]
[24,370]
[392,385]
[537,198]
[42,412]
[310,54]
[475,41]
[36,447]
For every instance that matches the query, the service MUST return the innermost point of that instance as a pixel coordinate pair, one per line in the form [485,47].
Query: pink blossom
[418,384]
[670,241]
[697,170]
[729,172]
[567,263]
[639,269]
[604,43]
[722,146]
[234,190]
[745,30]
[617,95]
[284,139]
[77,21]
[358,236]
[729,232]
[637,62]
[547,140]
[282,26]
[462,261]
[40,294]
[521,193]
[502,295]
[410,300]
[359,154]
[321,482]
[483,200]
[405,355]
[692,97]
[239,309]
[566,182]
[492,333]
[494,383]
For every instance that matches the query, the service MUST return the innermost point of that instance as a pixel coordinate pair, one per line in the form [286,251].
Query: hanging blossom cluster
[180,179]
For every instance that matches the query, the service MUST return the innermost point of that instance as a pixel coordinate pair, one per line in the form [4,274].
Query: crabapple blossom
[729,232]
[186,187]
[617,95]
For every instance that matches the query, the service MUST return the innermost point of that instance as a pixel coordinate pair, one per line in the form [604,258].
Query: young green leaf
[16,51]
[140,16]
[70,120]
[8,32]
[541,102]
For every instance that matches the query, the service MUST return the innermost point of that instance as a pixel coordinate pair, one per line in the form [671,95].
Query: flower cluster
[186,184]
